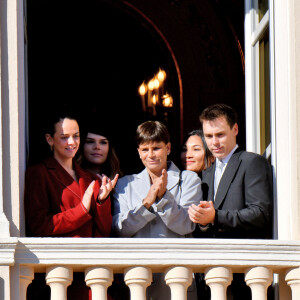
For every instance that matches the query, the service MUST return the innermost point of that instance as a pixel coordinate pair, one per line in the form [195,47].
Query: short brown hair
[152,131]
[219,110]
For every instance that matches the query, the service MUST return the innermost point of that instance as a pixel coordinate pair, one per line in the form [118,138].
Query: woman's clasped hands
[157,189]
[107,185]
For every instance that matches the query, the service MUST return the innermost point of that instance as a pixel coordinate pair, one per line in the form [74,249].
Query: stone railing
[99,259]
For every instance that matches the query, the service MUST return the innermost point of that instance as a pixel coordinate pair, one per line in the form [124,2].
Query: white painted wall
[287,83]
[13,115]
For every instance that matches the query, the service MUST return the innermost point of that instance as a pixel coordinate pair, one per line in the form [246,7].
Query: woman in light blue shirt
[155,202]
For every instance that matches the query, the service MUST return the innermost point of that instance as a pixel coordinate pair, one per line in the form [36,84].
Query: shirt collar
[226,159]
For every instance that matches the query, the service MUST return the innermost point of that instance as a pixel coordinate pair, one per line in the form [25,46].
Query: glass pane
[264,88]
[263,6]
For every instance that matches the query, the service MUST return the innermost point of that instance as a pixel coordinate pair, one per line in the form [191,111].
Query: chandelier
[153,94]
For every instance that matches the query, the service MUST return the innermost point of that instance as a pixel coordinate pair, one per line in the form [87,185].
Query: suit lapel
[208,181]
[84,179]
[142,186]
[173,176]
[61,175]
[227,178]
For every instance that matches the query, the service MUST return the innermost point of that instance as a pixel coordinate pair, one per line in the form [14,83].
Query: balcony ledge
[120,253]
[7,251]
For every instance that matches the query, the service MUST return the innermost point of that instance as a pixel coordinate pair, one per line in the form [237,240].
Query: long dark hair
[111,166]
[209,158]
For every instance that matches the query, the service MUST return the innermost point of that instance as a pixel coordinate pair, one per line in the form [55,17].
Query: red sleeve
[102,214]
[42,208]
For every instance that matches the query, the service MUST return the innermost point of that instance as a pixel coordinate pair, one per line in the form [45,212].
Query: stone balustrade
[99,259]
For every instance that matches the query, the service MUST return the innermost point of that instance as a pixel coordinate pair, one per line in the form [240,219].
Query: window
[258,88]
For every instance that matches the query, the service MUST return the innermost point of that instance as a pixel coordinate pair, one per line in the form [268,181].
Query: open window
[260,95]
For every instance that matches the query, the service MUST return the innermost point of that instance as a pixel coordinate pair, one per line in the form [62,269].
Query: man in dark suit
[240,205]
[237,187]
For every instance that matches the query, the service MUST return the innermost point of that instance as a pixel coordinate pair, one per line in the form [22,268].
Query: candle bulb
[167,101]
[156,83]
[142,92]
[161,76]
[154,101]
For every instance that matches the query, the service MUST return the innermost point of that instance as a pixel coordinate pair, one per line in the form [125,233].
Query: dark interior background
[92,55]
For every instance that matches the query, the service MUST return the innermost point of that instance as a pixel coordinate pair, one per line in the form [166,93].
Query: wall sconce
[152,93]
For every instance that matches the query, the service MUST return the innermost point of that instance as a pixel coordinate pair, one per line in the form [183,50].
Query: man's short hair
[215,111]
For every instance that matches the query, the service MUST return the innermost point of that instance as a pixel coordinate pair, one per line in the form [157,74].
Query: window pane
[263,7]
[264,87]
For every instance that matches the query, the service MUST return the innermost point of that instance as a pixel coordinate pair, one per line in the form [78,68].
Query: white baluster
[99,279]
[138,278]
[292,278]
[59,278]
[258,279]
[179,279]
[26,277]
[218,279]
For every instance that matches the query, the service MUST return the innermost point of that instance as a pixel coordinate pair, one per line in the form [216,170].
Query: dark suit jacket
[53,204]
[244,198]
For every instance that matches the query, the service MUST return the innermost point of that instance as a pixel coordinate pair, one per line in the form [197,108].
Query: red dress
[53,208]
[53,205]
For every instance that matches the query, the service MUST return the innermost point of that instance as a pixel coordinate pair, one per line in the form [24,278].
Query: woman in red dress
[61,199]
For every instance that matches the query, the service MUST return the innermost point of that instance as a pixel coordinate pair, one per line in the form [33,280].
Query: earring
[51,148]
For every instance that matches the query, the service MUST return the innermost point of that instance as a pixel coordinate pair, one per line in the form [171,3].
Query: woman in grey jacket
[154,203]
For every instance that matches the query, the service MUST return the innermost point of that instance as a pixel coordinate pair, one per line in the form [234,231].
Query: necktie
[218,174]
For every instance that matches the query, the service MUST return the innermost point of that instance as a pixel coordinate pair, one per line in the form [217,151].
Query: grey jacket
[168,218]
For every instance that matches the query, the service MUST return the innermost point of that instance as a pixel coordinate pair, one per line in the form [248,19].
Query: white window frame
[254,33]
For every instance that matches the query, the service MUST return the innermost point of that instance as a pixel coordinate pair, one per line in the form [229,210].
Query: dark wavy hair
[209,158]
[111,166]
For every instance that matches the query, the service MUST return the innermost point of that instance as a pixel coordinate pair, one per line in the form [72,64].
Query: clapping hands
[202,214]
[157,189]
[106,187]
